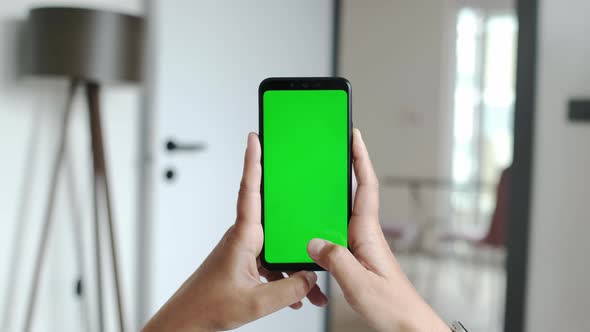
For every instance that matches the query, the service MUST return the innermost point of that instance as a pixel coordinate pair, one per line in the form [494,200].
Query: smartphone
[305,130]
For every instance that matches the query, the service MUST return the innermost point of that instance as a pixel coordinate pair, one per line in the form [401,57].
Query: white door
[210,57]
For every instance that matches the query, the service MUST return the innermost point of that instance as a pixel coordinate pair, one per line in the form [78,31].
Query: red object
[399,231]
[496,236]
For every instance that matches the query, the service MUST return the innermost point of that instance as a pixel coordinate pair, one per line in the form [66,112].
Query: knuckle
[244,189]
[299,290]
[256,307]
[247,189]
[238,233]
[257,168]
[373,181]
[228,236]
[334,254]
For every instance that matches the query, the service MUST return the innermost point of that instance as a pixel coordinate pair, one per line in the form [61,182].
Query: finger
[340,262]
[249,196]
[315,295]
[271,276]
[273,296]
[366,202]
[366,238]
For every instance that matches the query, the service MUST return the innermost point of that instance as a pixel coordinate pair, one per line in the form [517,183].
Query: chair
[496,235]
[487,252]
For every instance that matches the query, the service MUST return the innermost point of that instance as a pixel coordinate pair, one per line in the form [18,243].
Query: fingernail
[315,246]
[322,302]
[248,140]
[311,278]
[358,132]
[297,306]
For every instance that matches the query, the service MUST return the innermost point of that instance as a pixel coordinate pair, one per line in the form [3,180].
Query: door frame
[522,168]
[145,184]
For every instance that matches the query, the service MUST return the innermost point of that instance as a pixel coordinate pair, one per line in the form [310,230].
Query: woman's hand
[226,291]
[370,277]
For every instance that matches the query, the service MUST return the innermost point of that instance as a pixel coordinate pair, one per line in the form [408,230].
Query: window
[483,108]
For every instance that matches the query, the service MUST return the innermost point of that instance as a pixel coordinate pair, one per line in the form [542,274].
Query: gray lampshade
[86,44]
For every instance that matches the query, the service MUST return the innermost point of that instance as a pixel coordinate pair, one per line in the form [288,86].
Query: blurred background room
[123,125]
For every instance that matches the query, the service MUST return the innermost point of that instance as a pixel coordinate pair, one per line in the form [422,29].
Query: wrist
[156,326]
[162,322]
[426,325]
[424,320]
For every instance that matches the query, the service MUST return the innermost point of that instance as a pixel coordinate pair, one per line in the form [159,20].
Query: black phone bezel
[302,83]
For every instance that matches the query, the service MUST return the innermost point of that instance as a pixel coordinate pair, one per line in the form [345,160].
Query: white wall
[396,55]
[29,117]
[559,270]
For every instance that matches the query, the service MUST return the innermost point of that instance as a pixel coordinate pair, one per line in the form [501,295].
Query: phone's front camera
[305,85]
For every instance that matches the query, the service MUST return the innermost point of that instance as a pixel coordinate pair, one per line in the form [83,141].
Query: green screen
[305,167]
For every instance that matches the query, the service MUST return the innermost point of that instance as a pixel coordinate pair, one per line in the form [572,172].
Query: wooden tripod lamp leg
[91,91]
[48,216]
[78,241]
[101,182]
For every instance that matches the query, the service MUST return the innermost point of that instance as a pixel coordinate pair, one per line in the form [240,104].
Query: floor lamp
[90,48]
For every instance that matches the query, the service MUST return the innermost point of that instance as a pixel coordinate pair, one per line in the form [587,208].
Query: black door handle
[173,146]
[170,174]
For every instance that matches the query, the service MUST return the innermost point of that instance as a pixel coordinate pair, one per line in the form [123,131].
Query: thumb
[276,295]
[339,261]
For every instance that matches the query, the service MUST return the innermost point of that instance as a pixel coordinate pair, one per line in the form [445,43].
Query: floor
[456,289]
